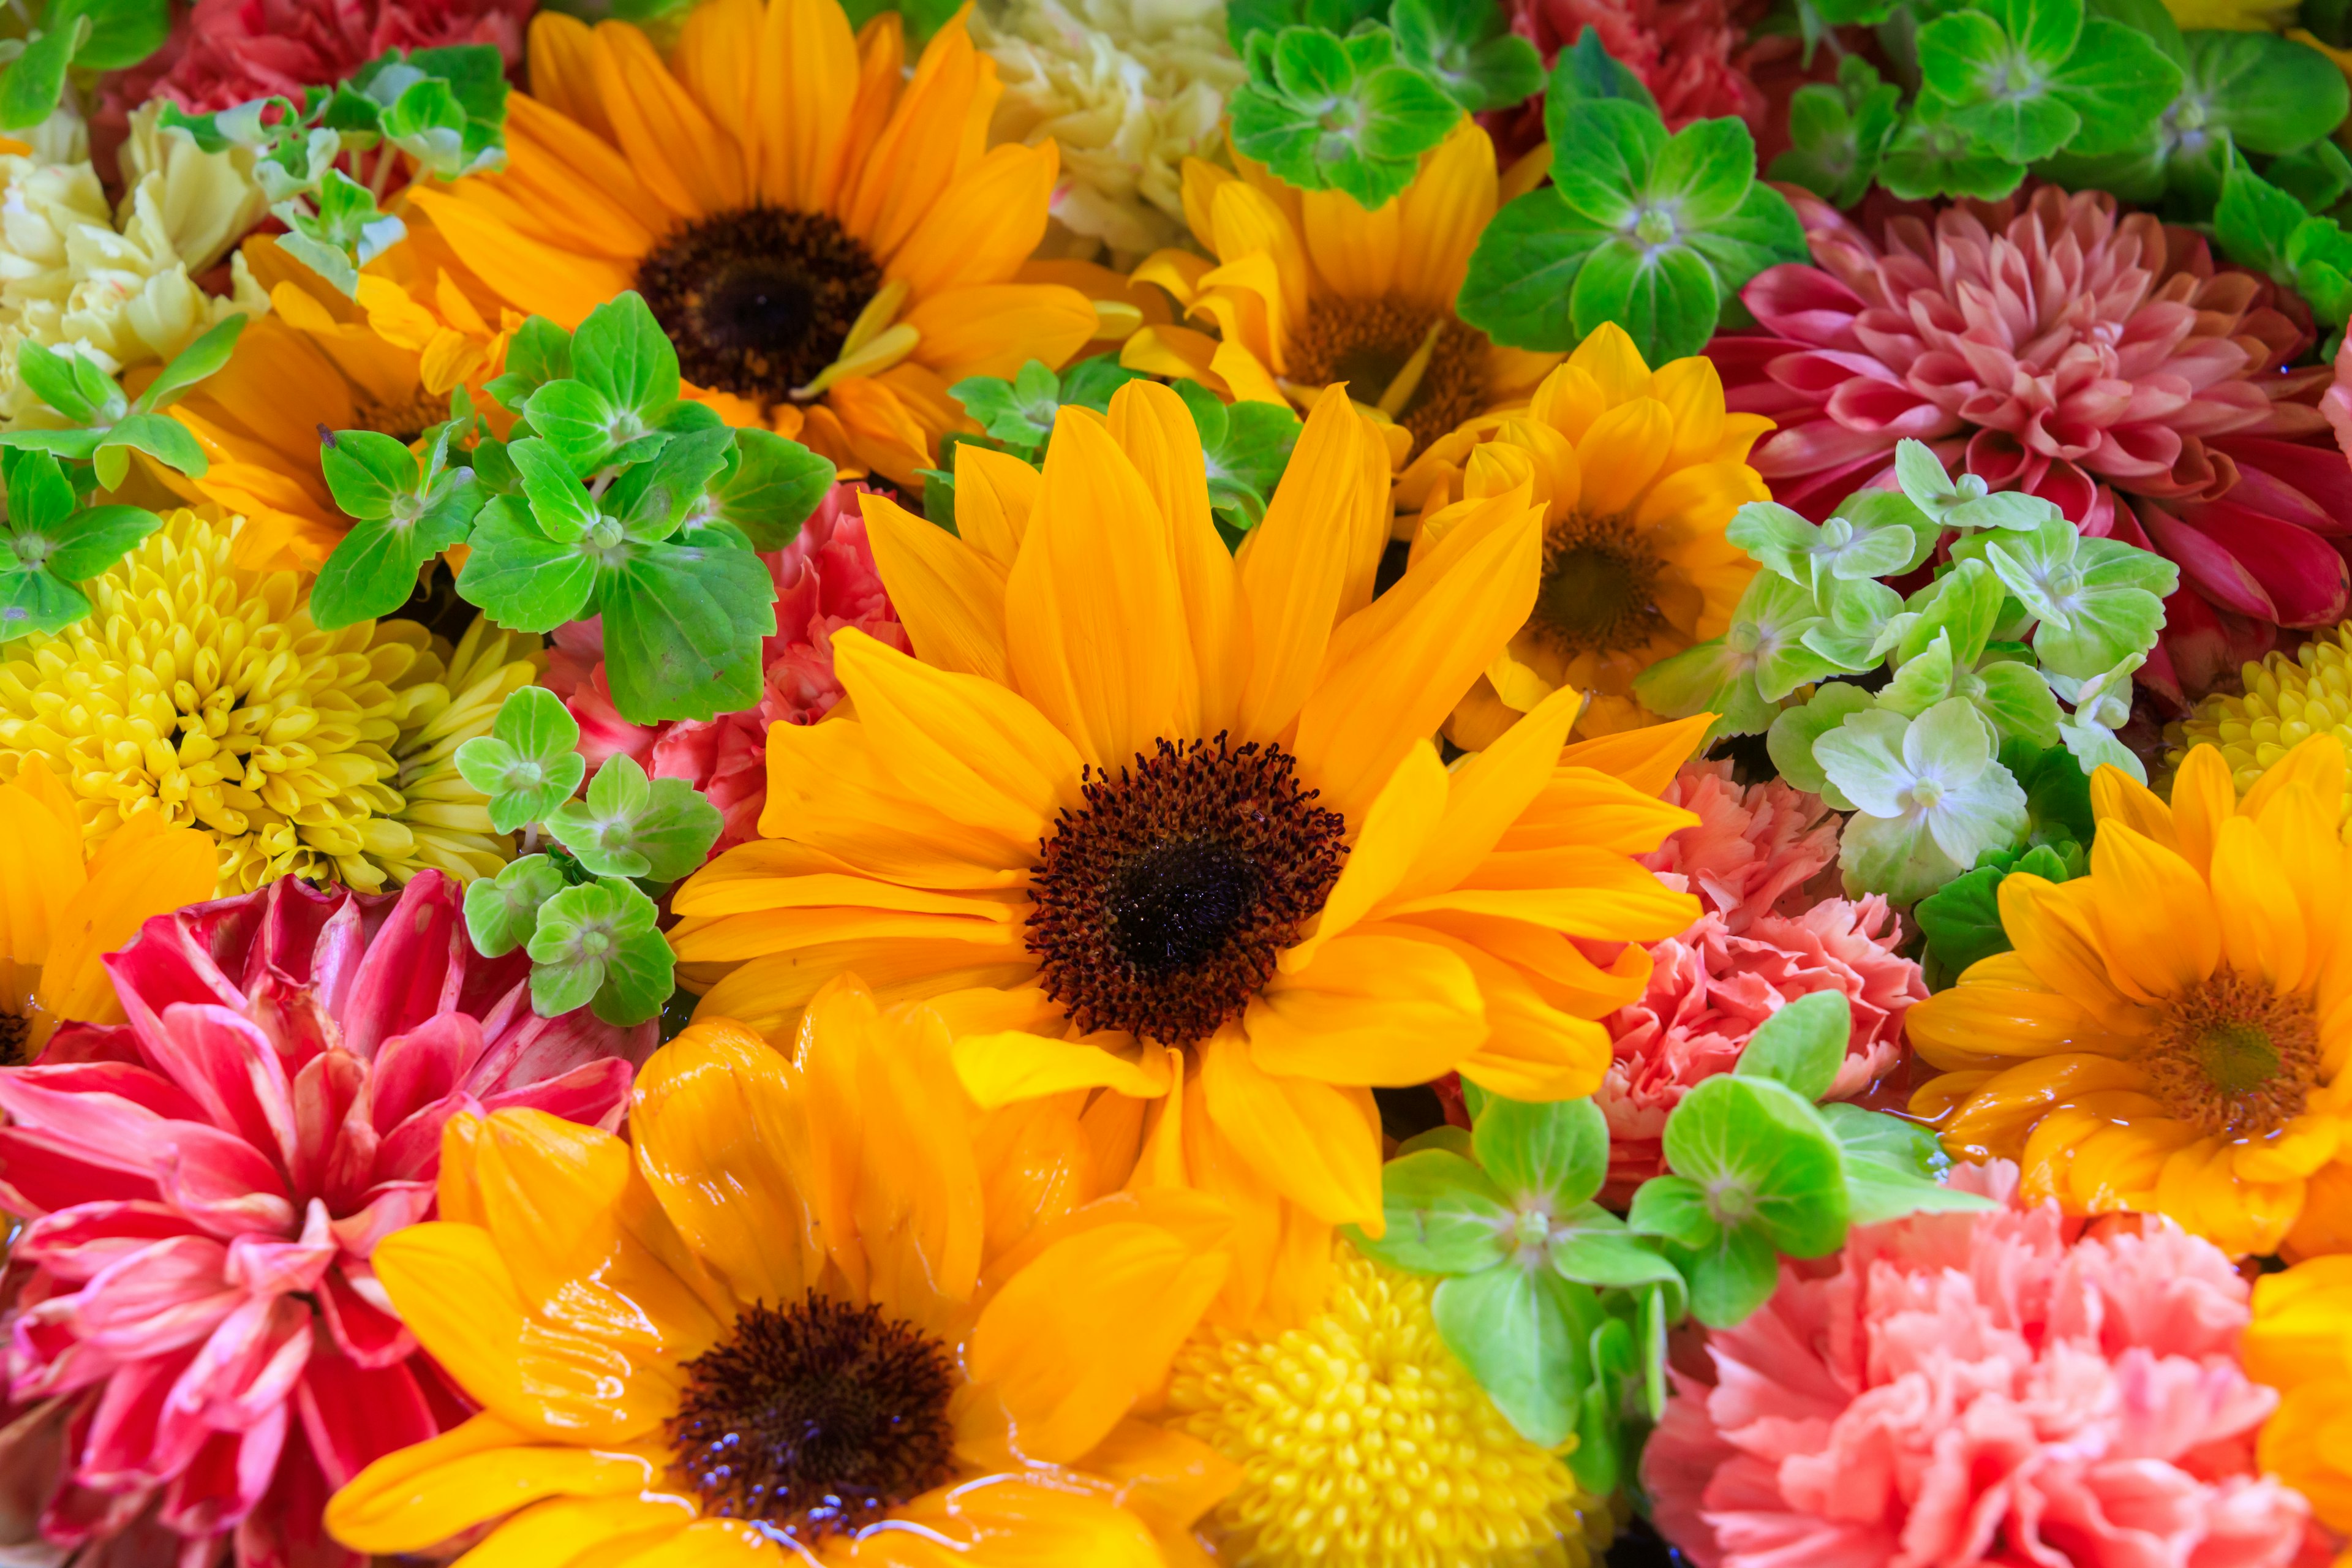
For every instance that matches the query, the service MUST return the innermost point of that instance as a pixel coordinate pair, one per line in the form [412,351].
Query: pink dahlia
[825,580]
[2055,346]
[1687,52]
[1996,1389]
[198,1354]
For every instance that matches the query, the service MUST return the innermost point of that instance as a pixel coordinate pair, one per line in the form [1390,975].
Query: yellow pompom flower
[199,692]
[1143,815]
[1639,474]
[2171,1034]
[816,1308]
[2300,1342]
[2289,698]
[1306,288]
[825,237]
[1363,1442]
[60,913]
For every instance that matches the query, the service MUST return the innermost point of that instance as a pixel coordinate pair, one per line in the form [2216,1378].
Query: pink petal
[410,969]
[232,1070]
[135,1440]
[41,1175]
[421,1068]
[325,1091]
[2307,485]
[389,1207]
[2301,572]
[168,1294]
[2207,565]
[227,1479]
[221,1182]
[248,1366]
[269,1268]
[594,1093]
[354,1416]
[73,1245]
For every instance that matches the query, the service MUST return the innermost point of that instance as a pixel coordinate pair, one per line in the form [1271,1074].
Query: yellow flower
[1308,289]
[1362,1442]
[816,1308]
[200,693]
[60,913]
[1148,815]
[2289,698]
[1639,474]
[823,236]
[2300,1342]
[119,287]
[2170,1034]
[420,326]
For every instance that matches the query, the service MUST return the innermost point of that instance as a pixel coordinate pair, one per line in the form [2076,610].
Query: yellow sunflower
[1147,815]
[2170,1034]
[1639,473]
[818,1308]
[60,913]
[385,362]
[1306,288]
[2300,1342]
[828,241]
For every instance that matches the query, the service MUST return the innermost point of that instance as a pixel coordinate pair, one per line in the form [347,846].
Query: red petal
[354,1416]
[2301,572]
[368,1335]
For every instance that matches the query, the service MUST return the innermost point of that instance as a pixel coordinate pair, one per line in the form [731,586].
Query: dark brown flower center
[815,1419]
[1161,906]
[1599,592]
[16,1030]
[758,300]
[1366,342]
[2234,1058]
[401,421]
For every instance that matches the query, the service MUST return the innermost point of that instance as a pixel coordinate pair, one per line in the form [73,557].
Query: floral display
[1282,784]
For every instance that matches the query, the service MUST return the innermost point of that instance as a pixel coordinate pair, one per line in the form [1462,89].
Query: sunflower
[387,361]
[816,1308]
[2300,1342]
[60,913]
[2169,1035]
[825,240]
[1145,814]
[1639,473]
[1308,289]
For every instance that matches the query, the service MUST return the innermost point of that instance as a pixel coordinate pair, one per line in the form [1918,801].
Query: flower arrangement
[1305,783]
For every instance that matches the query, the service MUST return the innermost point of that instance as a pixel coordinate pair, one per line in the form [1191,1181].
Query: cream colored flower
[119,287]
[1129,88]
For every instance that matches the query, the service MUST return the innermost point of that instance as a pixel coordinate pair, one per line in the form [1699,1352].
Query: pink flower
[1684,51]
[825,580]
[1754,848]
[2003,1389]
[2052,345]
[197,1347]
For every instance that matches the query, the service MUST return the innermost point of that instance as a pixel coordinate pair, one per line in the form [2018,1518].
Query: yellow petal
[1354,251]
[1442,212]
[1012,1065]
[984,225]
[1152,426]
[994,494]
[1616,367]
[1491,790]
[419,1497]
[684,160]
[1392,837]
[144,869]
[2117,797]
[995,328]
[1622,452]
[1585,806]
[2261,923]
[949,597]
[1317,1144]
[41,872]
[1377,1006]
[803,80]
[1647,758]
[555,1533]
[2156,921]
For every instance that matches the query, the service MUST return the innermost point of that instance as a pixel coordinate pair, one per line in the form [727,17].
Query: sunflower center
[758,300]
[16,1030]
[1368,342]
[815,1419]
[403,422]
[2234,1058]
[1599,592]
[1161,906]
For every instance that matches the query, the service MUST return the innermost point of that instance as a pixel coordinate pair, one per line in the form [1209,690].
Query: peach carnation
[1999,1388]
[825,580]
[1755,849]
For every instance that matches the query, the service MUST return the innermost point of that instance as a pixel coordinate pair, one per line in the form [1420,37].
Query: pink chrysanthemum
[1981,1390]
[1687,52]
[825,580]
[2053,345]
[198,1353]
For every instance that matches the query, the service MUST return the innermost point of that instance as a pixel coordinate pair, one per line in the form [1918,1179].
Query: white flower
[1129,88]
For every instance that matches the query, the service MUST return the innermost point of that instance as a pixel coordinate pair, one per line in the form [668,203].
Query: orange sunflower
[829,242]
[1146,816]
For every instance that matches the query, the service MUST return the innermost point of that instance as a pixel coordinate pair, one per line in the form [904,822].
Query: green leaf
[70,384]
[35,603]
[1663,297]
[1613,1260]
[502,911]
[520,577]
[1837,134]
[29,93]
[2271,94]
[367,472]
[1325,114]
[39,498]
[91,539]
[1524,271]
[1704,172]
[1555,1154]
[1875,1194]
[1602,169]
[192,365]
[2254,220]
[682,629]
[539,352]
[1469,51]
[1764,1159]
[1930,156]
[121,32]
[558,502]
[1730,1279]
[2118,82]
[1020,411]
[525,764]
[1523,1334]
[158,436]
[596,942]
[630,825]
[1762,231]
[1876,1137]
[620,353]
[1584,74]
[771,490]
[653,499]
[1444,1217]
[1245,447]
[1802,1045]
[407,515]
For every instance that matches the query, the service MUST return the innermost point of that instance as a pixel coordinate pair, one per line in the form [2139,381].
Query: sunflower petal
[1376,1007]
[417,1498]
[2155,920]
[1152,426]
[1317,1144]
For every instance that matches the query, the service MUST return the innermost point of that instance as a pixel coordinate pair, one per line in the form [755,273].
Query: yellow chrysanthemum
[387,361]
[1306,288]
[816,1309]
[60,913]
[1147,815]
[1639,473]
[823,236]
[2171,1032]
[1363,1442]
[2289,698]
[199,692]
[2300,1342]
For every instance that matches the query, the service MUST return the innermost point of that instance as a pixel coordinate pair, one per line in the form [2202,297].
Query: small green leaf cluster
[86,36]
[610,495]
[585,914]
[1653,232]
[434,113]
[1466,47]
[2022,613]
[1352,113]
[1243,446]
[1961,919]
[2266,228]
[58,532]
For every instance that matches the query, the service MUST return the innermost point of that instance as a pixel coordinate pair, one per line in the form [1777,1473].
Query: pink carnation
[2003,1388]
[825,580]
[1754,848]
[198,1353]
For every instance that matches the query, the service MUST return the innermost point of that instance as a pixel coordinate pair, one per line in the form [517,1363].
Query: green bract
[1018,415]
[88,35]
[406,513]
[1342,115]
[1838,134]
[1468,50]
[1651,231]
[1962,921]
[104,426]
[630,825]
[51,542]
[1244,447]
[525,764]
[595,944]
